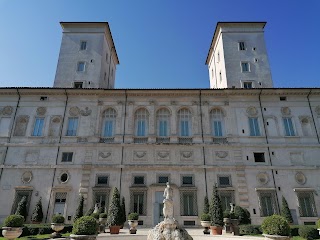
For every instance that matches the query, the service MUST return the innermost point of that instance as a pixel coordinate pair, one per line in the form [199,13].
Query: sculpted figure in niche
[168,202]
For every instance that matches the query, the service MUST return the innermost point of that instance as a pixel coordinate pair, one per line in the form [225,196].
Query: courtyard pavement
[196,233]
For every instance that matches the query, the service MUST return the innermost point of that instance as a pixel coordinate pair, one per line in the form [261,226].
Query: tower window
[220,76]
[83,45]
[247,85]
[78,85]
[242,46]
[81,66]
[245,67]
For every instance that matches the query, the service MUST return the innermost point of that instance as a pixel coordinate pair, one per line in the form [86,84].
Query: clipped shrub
[37,214]
[22,208]
[85,225]
[242,214]
[95,215]
[133,216]
[79,210]
[249,229]
[318,224]
[114,212]
[57,218]
[90,211]
[13,221]
[45,230]
[215,208]
[205,217]
[285,211]
[206,205]
[275,225]
[308,232]
[123,210]
[103,215]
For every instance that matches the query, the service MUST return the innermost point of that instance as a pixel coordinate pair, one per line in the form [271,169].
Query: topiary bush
[85,225]
[114,212]
[37,214]
[308,232]
[123,210]
[13,221]
[57,219]
[79,211]
[22,208]
[95,215]
[285,211]
[275,225]
[206,205]
[215,208]
[133,216]
[249,229]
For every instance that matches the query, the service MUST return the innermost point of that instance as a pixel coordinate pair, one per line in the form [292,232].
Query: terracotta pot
[114,229]
[205,224]
[216,230]
[11,232]
[276,237]
[83,237]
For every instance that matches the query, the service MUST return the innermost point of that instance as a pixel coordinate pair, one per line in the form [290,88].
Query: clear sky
[160,43]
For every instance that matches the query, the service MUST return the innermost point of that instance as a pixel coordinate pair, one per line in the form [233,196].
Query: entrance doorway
[157,208]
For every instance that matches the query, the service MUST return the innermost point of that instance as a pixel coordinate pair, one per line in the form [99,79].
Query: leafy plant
[308,232]
[133,216]
[95,215]
[103,215]
[275,225]
[249,229]
[114,212]
[37,214]
[285,211]
[205,217]
[57,219]
[206,205]
[90,211]
[79,211]
[123,210]
[242,214]
[85,225]
[14,221]
[22,208]
[215,209]
[226,213]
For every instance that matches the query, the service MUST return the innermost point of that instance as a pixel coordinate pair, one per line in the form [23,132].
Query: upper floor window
[163,122]
[224,181]
[216,117]
[288,126]
[254,126]
[141,122]
[220,76]
[83,45]
[138,180]
[241,46]
[38,126]
[102,180]
[218,57]
[109,121]
[307,206]
[78,84]
[184,122]
[81,66]
[245,67]
[72,126]
[247,85]
[67,157]
[187,180]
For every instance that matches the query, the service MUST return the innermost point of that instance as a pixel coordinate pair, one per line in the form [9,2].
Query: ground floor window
[60,203]
[138,202]
[226,198]
[101,198]
[188,203]
[307,207]
[267,201]
[17,198]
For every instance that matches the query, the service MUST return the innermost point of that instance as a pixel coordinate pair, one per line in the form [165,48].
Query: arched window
[163,122]
[184,123]
[217,122]
[141,122]
[109,122]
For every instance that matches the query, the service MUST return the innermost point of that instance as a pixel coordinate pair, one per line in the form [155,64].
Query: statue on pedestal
[168,202]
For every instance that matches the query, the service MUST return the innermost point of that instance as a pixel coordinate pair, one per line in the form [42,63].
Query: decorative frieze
[186,155]
[85,112]
[163,155]
[6,110]
[221,154]
[105,155]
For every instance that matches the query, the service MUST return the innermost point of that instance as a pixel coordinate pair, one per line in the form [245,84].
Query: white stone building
[84,137]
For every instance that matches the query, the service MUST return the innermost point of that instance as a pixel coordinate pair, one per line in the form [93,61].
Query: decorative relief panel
[296,158]
[139,155]
[186,155]
[262,178]
[85,112]
[163,155]
[32,156]
[26,177]
[105,155]
[300,178]
[285,111]
[74,111]
[252,111]
[221,154]
[41,111]
[6,110]
[21,125]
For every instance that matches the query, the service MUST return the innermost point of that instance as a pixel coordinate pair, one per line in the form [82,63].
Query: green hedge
[249,229]
[308,232]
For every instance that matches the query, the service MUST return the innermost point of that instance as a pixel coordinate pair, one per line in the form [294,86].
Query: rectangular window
[81,66]
[187,180]
[108,128]
[307,207]
[163,179]
[288,126]
[102,180]
[226,197]
[18,196]
[141,128]
[67,157]
[72,126]
[60,203]
[254,126]
[83,45]
[259,157]
[78,84]
[139,180]
[267,203]
[38,126]
[188,203]
[101,198]
[163,126]
[247,85]
[218,57]
[224,181]
[217,127]
[138,202]
[245,67]
[184,128]
[242,46]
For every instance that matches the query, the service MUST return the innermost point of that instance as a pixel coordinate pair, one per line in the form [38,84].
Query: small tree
[123,210]
[285,211]
[114,212]
[242,214]
[79,211]
[206,205]
[37,214]
[22,208]
[215,209]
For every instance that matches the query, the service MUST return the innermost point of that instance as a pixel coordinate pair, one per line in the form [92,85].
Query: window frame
[303,211]
[83,43]
[184,122]
[193,195]
[217,122]
[262,154]
[187,184]
[289,130]
[254,127]
[102,184]
[163,175]
[138,184]
[224,185]
[72,132]
[163,115]
[141,119]
[67,157]
[79,68]
[109,116]
[143,208]
[272,195]
[247,68]
[76,83]
[38,132]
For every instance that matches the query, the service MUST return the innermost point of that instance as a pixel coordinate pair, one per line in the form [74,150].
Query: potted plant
[275,227]
[205,222]
[102,221]
[84,228]
[37,214]
[114,213]
[133,222]
[57,225]
[215,211]
[12,226]
[79,210]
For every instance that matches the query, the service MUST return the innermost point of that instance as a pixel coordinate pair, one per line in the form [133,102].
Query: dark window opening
[78,85]
[102,180]
[187,180]
[67,157]
[259,157]
[138,180]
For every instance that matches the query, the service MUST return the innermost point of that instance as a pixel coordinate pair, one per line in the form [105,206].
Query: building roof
[91,25]
[230,24]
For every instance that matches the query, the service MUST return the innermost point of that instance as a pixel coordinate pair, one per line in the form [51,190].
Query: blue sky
[160,43]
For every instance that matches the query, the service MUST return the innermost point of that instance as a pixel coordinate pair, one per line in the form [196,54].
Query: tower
[237,56]
[88,57]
